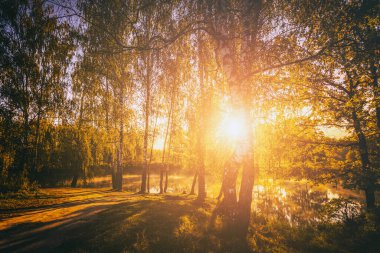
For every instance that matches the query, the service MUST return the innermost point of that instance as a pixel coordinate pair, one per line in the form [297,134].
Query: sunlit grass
[100,220]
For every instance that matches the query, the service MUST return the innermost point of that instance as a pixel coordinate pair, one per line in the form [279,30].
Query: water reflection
[293,202]
[330,195]
[302,203]
[156,189]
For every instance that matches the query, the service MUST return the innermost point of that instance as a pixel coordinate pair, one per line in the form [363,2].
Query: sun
[233,126]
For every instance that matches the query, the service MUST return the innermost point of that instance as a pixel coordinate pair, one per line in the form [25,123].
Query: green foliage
[36,51]
[340,228]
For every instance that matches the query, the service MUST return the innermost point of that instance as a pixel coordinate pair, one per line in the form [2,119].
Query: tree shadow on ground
[168,223]
[140,223]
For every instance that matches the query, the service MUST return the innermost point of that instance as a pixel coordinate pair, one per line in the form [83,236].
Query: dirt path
[100,220]
[46,227]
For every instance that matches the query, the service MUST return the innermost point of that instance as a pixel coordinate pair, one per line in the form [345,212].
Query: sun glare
[159,143]
[233,127]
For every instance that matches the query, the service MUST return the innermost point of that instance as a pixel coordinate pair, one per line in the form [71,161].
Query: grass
[101,220]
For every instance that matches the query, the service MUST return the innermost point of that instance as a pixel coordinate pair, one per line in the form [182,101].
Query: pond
[301,202]
[291,201]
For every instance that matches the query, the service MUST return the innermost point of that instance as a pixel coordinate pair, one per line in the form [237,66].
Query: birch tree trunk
[147,104]
[233,63]
[201,126]
[74,180]
[192,191]
[169,148]
[119,173]
[163,164]
[151,150]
